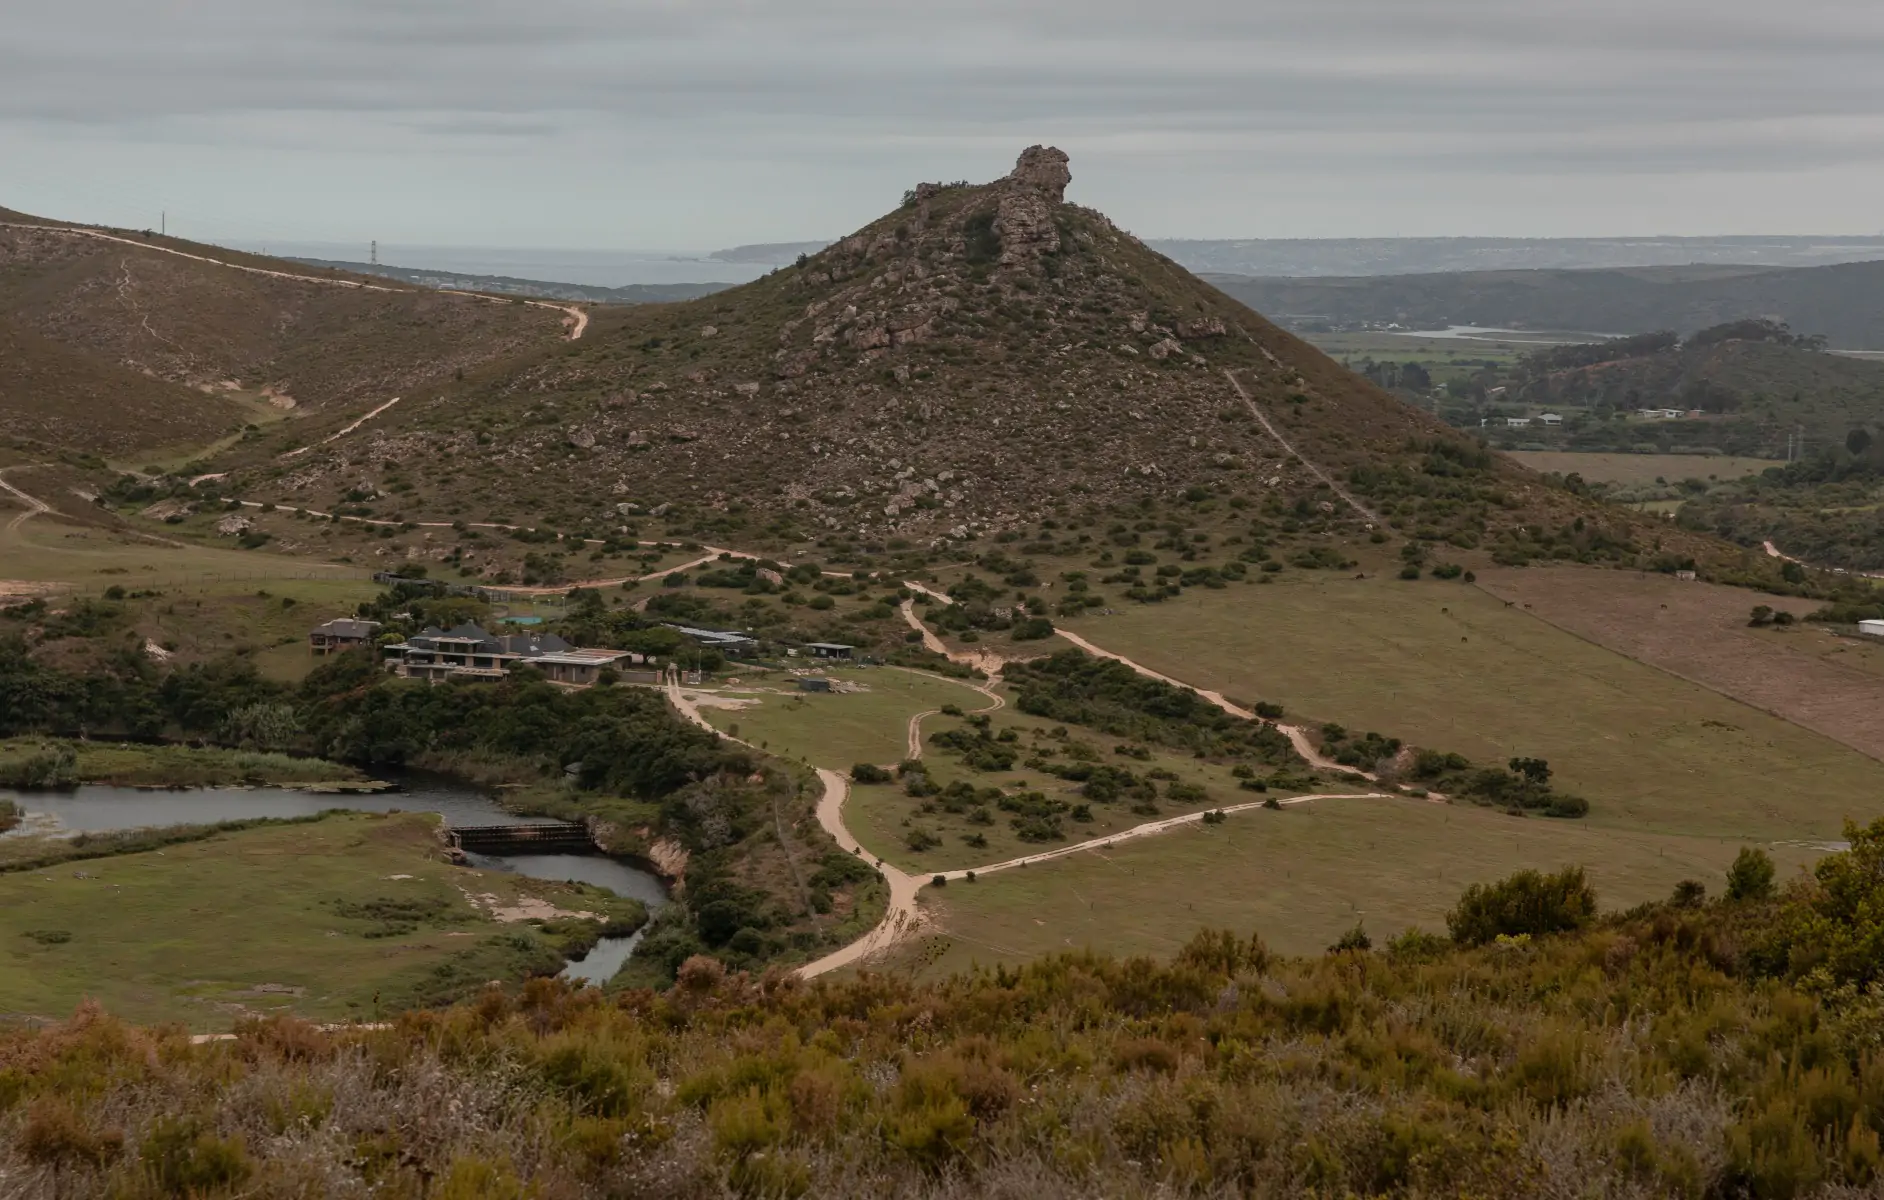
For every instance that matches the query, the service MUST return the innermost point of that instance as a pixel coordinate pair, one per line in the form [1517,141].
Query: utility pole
[163,222]
[375,253]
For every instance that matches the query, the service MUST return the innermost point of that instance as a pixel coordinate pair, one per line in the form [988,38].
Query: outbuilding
[829,649]
[813,683]
[1871,628]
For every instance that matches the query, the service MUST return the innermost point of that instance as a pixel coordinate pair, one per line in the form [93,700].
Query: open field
[1300,877]
[1453,668]
[89,558]
[839,729]
[1634,470]
[203,932]
[1699,631]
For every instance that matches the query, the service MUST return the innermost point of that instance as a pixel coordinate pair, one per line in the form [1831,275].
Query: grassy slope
[63,396]
[100,332]
[841,729]
[1636,469]
[188,933]
[1300,877]
[1450,667]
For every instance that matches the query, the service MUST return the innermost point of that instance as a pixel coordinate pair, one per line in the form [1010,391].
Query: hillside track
[34,505]
[578,320]
[1262,417]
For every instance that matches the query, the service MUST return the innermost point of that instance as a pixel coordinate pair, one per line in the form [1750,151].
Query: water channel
[93,808]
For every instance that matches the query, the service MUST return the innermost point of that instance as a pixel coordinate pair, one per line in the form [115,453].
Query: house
[1551,420]
[464,652]
[468,652]
[578,667]
[1517,422]
[1660,414]
[1871,628]
[342,633]
[829,649]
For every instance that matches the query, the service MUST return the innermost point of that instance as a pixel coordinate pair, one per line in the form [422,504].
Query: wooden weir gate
[548,837]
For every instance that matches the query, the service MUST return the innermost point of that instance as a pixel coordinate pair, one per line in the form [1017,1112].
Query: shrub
[1354,940]
[1527,902]
[1751,876]
[919,839]
[869,773]
[1032,629]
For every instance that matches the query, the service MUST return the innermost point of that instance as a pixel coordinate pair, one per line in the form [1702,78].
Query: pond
[96,808]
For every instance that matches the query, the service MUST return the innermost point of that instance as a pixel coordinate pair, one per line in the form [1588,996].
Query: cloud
[1332,94]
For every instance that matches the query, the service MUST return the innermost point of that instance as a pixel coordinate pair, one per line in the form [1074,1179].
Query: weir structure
[547,837]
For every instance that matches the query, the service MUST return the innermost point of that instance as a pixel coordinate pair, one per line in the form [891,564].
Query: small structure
[1550,420]
[829,649]
[342,633]
[1517,422]
[1686,576]
[813,683]
[728,643]
[1871,628]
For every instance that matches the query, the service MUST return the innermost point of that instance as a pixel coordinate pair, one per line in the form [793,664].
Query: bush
[1528,902]
[1032,629]
[919,839]
[1354,940]
[1751,876]
[869,773]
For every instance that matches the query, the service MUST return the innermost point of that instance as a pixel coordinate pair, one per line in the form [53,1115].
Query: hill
[510,285]
[983,362]
[1752,387]
[1844,301]
[129,340]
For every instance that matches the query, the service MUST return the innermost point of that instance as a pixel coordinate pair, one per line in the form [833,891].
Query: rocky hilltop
[978,359]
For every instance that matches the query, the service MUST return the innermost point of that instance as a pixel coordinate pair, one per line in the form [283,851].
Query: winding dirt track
[578,319]
[34,505]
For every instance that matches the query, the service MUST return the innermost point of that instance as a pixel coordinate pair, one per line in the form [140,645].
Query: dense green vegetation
[1108,696]
[1688,1047]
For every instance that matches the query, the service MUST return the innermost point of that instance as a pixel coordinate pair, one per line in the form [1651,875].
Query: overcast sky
[693,124]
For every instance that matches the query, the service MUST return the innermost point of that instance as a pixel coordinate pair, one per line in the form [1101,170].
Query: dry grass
[1300,878]
[1451,667]
[1699,631]
[1633,470]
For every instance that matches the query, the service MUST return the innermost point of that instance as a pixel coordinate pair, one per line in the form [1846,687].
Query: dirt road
[34,505]
[1152,828]
[1297,738]
[578,322]
[900,919]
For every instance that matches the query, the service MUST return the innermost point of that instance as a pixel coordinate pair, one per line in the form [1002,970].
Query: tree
[1528,902]
[1762,615]
[1751,876]
[1536,771]
[1857,442]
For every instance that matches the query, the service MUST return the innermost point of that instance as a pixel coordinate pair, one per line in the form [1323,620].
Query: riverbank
[31,763]
[370,919]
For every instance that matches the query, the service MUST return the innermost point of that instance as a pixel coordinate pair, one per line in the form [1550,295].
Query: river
[95,808]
